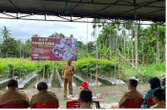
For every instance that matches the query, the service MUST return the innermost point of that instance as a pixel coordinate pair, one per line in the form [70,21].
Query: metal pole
[66,7]
[135,13]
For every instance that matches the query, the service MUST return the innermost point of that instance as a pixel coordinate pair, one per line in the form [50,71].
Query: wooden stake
[54,70]
[97,74]
[13,75]
[44,72]
[55,73]
[119,72]
[96,79]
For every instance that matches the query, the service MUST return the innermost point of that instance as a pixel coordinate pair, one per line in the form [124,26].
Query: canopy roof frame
[154,10]
[44,17]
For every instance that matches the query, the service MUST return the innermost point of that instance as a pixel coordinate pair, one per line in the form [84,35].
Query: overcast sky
[24,29]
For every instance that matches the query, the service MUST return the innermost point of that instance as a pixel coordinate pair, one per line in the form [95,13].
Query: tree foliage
[113,40]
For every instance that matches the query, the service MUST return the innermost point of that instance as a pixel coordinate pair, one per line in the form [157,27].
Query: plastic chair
[46,105]
[150,102]
[19,105]
[76,104]
[133,103]
[73,104]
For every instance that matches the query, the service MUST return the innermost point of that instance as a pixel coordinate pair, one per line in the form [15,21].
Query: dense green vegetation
[83,66]
[21,67]
[25,66]
[145,72]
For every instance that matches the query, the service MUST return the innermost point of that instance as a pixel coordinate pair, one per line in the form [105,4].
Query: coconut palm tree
[5,33]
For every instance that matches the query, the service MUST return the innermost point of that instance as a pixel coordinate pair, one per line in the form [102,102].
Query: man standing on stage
[67,75]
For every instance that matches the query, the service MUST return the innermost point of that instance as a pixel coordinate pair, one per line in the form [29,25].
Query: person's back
[131,94]
[44,96]
[13,95]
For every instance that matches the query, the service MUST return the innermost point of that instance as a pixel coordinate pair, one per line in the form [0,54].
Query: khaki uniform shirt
[68,72]
[133,94]
[160,104]
[44,97]
[12,96]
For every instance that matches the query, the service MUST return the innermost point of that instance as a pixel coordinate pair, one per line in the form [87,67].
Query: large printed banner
[53,49]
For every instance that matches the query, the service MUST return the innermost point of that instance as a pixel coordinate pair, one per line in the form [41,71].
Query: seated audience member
[163,84]
[131,94]
[13,95]
[154,83]
[44,96]
[158,98]
[85,99]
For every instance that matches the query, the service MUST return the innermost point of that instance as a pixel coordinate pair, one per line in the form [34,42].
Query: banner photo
[53,49]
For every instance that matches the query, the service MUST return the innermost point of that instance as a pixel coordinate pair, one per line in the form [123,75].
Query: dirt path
[111,94]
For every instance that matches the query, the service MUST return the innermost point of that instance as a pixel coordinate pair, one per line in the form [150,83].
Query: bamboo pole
[158,45]
[96,60]
[136,48]
[55,73]
[87,49]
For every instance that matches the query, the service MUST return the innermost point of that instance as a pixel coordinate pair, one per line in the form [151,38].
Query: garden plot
[59,78]
[50,80]
[28,80]
[110,80]
[91,82]
[4,82]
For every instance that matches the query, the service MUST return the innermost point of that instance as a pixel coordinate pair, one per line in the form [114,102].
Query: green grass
[145,72]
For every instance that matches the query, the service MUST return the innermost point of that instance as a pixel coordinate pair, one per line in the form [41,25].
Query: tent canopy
[148,10]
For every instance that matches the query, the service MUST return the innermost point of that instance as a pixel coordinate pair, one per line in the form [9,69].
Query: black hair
[155,83]
[159,94]
[13,83]
[133,82]
[42,86]
[163,80]
[85,95]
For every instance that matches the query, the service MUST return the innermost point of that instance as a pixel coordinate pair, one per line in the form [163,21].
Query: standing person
[67,76]
[13,95]
[44,96]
